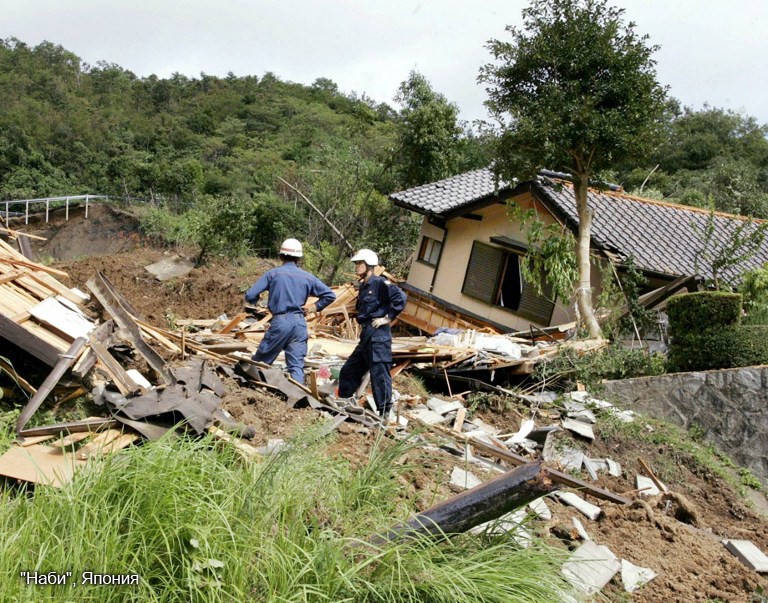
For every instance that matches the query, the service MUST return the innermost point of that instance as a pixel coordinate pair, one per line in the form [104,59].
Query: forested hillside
[231,164]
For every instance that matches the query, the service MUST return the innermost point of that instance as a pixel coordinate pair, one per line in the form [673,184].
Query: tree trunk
[584,290]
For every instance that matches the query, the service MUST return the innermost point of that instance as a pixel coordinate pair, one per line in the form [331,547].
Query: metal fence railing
[49,202]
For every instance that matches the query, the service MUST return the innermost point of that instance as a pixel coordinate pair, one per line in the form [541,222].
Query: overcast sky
[712,51]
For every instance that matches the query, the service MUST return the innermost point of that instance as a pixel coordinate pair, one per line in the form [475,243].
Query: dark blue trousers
[373,353]
[288,333]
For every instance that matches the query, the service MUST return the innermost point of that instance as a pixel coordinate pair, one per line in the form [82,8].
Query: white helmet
[291,248]
[367,256]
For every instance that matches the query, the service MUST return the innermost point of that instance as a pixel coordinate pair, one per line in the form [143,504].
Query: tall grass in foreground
[196,524]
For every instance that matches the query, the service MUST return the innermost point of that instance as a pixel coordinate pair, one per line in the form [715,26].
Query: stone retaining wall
[730,406]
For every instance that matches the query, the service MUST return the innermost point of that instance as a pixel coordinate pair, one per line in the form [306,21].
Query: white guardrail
[48,201]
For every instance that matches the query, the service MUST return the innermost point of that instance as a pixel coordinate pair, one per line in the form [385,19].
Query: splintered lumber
[113,369]
[483,503]
[515,459]
[18,233]
[233,323]
[104,292]
[65,361]
[29,342]
[7,368]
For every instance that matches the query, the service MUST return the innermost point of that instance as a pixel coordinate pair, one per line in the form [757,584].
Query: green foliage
[754,288]
[718,348]
[429,136]
[718,260]
[574,91]
[195,523]
[619,294]
[551,253]
[749,479]
[709,158]
[696,311]
[614,362]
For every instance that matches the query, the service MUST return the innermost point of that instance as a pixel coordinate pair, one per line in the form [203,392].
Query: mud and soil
[691,561]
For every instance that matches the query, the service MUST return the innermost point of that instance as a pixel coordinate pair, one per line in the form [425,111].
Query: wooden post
[483,503]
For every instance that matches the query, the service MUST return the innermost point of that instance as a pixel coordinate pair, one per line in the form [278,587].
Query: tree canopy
[575,90]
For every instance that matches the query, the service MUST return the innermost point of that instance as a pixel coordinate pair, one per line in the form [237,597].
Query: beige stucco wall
[461,233]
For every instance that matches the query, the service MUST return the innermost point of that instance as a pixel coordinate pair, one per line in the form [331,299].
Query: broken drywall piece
[72,322]
[582,532]
[633,576]
[430,417]
[540,509]
[443,407]
[591,567]
[569,459]
[511,523]
[526,427]
[139,379]
[646,486]
[582,506]
[579,428]
[585,416]
[748,554]
[464,479]
[614,468]
[590,468]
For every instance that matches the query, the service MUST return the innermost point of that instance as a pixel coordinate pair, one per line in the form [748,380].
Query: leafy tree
[576,91]
[429,134]
[743,239]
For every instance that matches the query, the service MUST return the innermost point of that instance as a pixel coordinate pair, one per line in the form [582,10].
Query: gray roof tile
[661,237]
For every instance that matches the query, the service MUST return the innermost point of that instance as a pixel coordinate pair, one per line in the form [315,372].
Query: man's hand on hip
[380,322]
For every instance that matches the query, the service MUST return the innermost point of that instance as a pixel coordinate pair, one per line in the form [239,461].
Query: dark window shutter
[535,307]
[483,272]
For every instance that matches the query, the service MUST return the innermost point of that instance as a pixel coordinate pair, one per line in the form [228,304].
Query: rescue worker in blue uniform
[289,288]
[378,304]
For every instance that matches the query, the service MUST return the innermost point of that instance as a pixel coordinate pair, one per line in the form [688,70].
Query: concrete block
[591,567]
[464,479]
[748,554]
[633,576]
[582,506]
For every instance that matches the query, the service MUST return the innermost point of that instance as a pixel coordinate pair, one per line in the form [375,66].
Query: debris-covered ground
[678,536]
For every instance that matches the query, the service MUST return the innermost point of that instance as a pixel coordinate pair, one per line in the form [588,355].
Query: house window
[494,277]
[429,252]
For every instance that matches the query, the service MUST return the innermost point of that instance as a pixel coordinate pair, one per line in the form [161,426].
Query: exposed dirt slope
[692,563]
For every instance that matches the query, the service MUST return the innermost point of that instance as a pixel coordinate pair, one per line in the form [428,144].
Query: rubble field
[678,535]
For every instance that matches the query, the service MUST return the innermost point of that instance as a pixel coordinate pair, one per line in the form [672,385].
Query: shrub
[707,309]
[614,362]
[721,347]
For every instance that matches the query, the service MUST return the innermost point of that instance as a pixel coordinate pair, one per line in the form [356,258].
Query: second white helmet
[367,256]
[291,248]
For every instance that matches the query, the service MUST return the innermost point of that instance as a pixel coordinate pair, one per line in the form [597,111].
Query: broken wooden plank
[233,323]
[125,384]
[39,465]
[65,361]
[103,292]
[27,341]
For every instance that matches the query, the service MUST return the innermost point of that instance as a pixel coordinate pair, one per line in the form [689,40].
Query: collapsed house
[469,249]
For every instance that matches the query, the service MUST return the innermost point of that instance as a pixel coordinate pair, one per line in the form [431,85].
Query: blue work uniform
[289,288]
[377,298]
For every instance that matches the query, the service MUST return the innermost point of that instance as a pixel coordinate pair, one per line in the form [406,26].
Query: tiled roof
[661,237]
[451,193]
